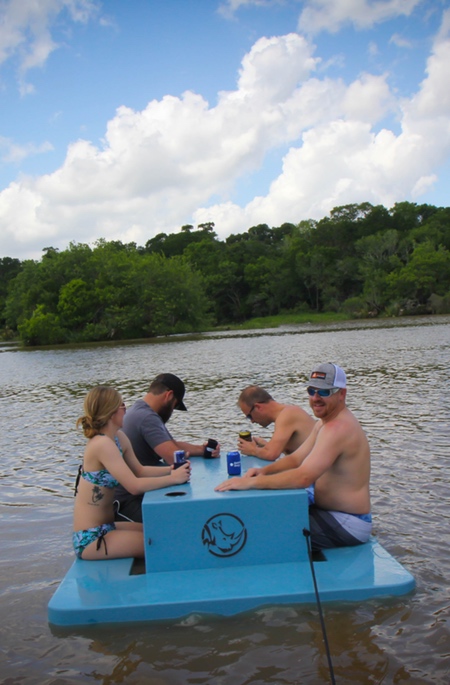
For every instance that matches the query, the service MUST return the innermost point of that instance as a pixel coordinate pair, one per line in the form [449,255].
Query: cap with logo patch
[327,376]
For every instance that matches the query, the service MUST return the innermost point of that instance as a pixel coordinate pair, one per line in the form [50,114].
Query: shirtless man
[292,424]
[334,459]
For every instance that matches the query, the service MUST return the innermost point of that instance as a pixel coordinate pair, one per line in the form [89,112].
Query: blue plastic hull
[222,553]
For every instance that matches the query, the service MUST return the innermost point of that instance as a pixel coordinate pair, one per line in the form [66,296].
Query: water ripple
[398,380]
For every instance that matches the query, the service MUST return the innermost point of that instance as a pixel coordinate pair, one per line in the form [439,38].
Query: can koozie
[234,463]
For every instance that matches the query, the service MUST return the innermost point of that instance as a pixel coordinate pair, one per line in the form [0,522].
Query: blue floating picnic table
[221,553]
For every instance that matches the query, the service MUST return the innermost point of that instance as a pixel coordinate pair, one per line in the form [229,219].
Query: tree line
[362,260]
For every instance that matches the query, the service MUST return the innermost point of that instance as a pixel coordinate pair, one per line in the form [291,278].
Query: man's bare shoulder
[346,417]
[293,412]
[344,426]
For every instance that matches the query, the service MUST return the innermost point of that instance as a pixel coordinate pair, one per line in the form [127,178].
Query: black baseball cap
[176,385]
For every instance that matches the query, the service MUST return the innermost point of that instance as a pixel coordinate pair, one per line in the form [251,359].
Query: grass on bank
[286,320]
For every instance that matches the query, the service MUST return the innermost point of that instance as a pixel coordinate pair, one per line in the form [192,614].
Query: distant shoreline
[314,320]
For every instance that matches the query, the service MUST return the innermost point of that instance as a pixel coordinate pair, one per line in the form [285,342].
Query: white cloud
[289,56]
[25,31]
[332,15]
[228,8]
[159,168]
[338,163]
[433,98]
[158,165]
[368,98]
[11,152]
[344,161]
[400,42]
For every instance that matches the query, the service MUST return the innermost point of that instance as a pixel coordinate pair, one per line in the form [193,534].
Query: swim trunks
[310,491]
[337,528]
[82,538]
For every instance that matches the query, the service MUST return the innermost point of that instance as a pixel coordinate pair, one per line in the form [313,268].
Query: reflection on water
[398,379]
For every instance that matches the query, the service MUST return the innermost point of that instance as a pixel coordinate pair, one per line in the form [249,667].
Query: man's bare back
[299,422]
[292,424]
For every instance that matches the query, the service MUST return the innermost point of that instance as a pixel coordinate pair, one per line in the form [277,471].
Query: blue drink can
[178,458]
[234,463]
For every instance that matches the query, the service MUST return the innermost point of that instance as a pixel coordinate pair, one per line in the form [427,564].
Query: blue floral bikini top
[103,478]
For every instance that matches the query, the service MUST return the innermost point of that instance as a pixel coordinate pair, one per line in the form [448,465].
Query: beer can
[179,458]
[245,435]
[209,448]
[234,463]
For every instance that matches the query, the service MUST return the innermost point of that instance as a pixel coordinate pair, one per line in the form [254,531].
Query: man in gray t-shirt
[146,430]
[145,426]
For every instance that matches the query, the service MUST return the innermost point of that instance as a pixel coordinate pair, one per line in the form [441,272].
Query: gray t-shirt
[146,430]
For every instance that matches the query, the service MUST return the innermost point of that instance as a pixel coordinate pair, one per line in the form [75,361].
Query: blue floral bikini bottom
[82,538]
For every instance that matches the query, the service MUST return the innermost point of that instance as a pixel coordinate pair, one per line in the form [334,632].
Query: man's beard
[166,412]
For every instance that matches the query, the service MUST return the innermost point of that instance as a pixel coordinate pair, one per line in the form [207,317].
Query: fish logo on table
[224,535]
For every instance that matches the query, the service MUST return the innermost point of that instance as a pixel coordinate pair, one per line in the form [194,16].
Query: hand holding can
[179,458]
[209,448]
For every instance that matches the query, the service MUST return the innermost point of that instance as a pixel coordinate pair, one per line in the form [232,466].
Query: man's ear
[168,395]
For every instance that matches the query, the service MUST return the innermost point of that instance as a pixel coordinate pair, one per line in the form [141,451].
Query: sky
[123,119]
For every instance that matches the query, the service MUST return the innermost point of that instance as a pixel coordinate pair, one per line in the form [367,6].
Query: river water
[398,386]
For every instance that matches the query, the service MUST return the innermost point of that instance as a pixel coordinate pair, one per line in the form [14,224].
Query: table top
[205,476]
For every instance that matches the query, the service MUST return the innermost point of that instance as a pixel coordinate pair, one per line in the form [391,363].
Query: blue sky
[122,119]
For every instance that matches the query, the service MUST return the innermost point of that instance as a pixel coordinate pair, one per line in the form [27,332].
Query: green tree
[360,259]
[427,272]
[378,258]
[75,305]
[175,244]
[42,328]
[9,269]
[267,279]
[170,297]
[23,294]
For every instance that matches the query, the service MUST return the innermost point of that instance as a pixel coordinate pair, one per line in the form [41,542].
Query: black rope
[307,535]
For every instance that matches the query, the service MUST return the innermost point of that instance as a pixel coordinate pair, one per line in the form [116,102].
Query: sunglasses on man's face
[249,415]
[322,392]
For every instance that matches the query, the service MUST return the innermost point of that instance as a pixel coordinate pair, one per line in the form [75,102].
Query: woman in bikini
[109,460]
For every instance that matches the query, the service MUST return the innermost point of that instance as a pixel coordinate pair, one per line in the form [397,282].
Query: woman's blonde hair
[99,405]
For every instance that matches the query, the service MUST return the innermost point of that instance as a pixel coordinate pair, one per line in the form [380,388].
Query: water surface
[398,387]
